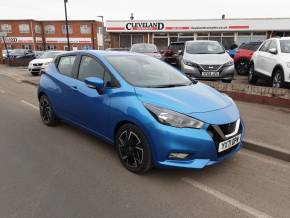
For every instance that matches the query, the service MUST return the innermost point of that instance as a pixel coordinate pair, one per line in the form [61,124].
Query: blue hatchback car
[151,112]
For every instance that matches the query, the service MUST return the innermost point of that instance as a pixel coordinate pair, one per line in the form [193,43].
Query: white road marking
[250,210]
[29,104]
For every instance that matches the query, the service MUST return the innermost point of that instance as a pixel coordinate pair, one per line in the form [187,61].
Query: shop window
[125,41]
[229,34]
[218,39]
[245,34]
[227,42]
[49,29]
[137,39]
[215,34]
[6,28]
[85,29]
[70,29]
[161,34]
[37,28]
[26,46]
[287,34]
[242,39]
[51,47]
[202,34]
[24,28]
[185,39]
[161,43]
[201,38]
[86,47]
[186,34]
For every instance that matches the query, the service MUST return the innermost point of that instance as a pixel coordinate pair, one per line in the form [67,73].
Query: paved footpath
[266,126]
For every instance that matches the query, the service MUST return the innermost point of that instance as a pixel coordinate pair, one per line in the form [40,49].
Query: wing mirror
[95,83]
[273,51]
[180,52]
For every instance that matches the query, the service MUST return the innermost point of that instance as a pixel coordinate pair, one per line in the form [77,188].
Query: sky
[145,9]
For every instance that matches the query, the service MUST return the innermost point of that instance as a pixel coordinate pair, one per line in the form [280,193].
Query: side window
[89,67]
[273,45]
[265,46]
[65,65]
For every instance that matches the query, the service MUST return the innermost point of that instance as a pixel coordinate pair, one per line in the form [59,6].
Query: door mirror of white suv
[273,51]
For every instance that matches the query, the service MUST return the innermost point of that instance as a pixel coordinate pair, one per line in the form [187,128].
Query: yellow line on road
[246,208]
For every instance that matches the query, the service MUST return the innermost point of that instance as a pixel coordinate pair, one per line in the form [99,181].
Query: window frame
[87,27]
[49,32]
[7,25]
[21,30]
[57,61]
[264,43]
[69,29]
[114,81]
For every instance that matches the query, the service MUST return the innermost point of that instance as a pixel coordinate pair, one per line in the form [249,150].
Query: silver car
[207,60]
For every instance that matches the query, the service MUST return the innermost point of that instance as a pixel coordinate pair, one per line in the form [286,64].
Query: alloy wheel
[131,149]
[45,110]
[277,80]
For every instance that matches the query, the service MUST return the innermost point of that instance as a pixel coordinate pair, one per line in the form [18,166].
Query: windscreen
[209,47]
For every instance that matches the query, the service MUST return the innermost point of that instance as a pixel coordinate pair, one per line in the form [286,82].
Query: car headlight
[189,63]
[172,118]
[228,64]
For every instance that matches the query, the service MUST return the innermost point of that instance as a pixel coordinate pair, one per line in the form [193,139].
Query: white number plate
[229,143]
[210,74]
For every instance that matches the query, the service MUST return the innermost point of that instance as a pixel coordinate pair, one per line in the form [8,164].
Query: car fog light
[178,155]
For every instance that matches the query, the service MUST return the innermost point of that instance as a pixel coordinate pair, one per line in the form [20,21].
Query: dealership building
[51,34]
[124,33]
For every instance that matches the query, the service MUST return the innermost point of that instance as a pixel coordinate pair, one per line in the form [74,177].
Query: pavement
[64,172]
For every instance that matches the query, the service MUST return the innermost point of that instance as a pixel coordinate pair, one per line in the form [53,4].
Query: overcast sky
[145,9]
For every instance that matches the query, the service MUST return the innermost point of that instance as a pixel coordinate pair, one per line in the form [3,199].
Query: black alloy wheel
[133,149]
[46,112]
[278,80]
[242,67]
[252,78]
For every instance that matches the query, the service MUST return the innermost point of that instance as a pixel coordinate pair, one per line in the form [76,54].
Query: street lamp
[103,32]
[66,25]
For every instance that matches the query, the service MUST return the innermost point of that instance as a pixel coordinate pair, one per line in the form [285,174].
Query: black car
[172,54]
[21,54]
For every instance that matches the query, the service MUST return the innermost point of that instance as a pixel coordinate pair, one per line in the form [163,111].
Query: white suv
[272,62]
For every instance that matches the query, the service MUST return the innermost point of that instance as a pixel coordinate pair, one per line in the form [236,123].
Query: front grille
[37,65]
[210,67]
[218,139]
[228,128]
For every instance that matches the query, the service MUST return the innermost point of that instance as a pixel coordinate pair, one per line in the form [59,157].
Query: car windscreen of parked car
[49,54]
[285,46]
[253,46]
[144,48]
[143,71]
[175,47]
[209,47]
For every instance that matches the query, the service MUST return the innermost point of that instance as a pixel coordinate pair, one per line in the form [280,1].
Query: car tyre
[47,113]
[133,149]
[278,78]
[242,67]
[252,78]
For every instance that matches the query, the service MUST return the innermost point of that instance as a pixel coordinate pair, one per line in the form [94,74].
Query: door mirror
[180,52]
[273,51]
[95,83]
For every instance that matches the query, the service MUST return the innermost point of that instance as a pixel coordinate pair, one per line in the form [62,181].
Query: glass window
[37,28]
[161,43]
[6,28]
[209,47]
[26,46]
[244,34]
[65,65]
[265,46]
[85,29]
[144,48]
[285,46]
[51,47]
[70,30]
[145,71]
[228,42]
[215,34]
[125,41]
[273,45]
[137,39]
[49,29]
[185,39]
[202,34]
[89,67]
[24,28]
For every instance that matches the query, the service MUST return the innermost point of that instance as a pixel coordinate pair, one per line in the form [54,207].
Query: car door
[270,59]
[261,57]
[65,86]
[90,108]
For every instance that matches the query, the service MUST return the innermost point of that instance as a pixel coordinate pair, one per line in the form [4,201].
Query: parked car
[38,53]
[272,62]
[151,112]
[148,49]
[5,54]
[21,54]
[117,49]
[243,56]
[37,65]
[172,54]
[207,60]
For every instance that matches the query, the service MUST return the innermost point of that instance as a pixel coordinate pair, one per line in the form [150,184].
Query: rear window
[251,46]
[65,65]
[176,47]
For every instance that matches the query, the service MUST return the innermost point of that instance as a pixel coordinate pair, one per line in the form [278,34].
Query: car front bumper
[200,144]
[225,73]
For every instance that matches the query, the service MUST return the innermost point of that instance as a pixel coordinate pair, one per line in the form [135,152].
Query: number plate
[229,143]
[210,74]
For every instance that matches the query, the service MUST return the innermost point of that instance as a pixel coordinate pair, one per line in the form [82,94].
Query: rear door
[270,59]
[261,57]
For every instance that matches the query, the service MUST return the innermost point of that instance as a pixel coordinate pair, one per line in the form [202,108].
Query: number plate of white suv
[229,143]
[210,74]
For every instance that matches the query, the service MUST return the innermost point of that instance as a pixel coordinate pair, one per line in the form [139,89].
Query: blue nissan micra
[151,112]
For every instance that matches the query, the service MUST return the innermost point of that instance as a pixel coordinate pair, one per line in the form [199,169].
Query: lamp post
[66,25]
[103,32]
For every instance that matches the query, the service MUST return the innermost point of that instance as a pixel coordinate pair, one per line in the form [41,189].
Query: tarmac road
[63,172]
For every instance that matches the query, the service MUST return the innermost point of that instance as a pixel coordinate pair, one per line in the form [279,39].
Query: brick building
[51,34]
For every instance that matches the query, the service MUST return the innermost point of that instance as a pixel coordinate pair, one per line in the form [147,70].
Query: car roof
[201,41]
[284,38]
[104,53]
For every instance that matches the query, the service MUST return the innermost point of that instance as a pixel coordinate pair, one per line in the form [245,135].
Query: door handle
[75,88]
